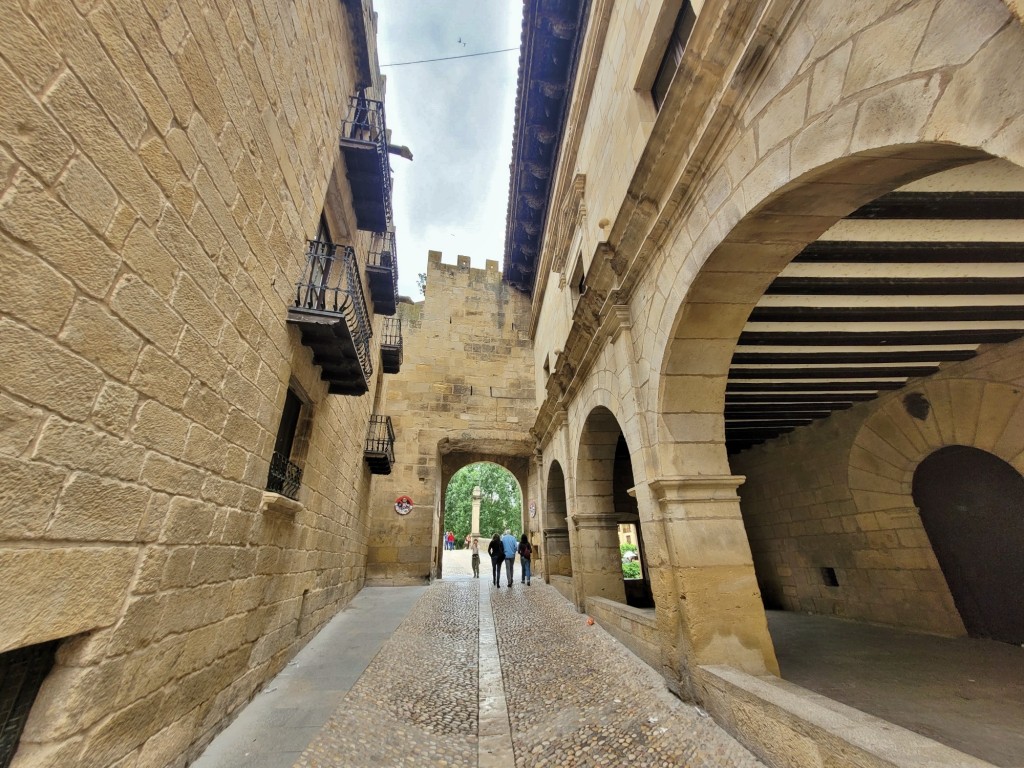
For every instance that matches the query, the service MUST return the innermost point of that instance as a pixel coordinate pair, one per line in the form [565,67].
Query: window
[578,282]
[321,252]
[674,53]
[285,476]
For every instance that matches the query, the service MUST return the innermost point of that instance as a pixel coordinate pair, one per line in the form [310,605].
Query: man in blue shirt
[508,541]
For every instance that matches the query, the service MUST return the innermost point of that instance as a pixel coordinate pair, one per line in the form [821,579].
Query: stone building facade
[163,166]
[761,290]
[465,394]
[775,285]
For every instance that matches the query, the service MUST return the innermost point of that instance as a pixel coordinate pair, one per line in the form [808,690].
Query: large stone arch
[456,453]
[831,122]
[555,528]
[807,151]
[894,440]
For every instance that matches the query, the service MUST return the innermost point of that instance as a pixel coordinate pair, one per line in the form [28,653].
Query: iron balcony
[380,445]
[330,311]
[364,143]
[382,273]
[284,477]
[391,345]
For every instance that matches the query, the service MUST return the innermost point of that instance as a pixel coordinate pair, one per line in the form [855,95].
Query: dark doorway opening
[22,671]
[972,508]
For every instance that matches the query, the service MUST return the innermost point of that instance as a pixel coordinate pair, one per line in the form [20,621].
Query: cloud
[457,117]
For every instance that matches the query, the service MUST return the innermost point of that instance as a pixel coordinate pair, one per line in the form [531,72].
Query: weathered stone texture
[148,258]
[466,387]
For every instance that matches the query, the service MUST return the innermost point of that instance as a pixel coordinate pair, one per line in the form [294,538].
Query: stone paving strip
[577,697]
[417,702]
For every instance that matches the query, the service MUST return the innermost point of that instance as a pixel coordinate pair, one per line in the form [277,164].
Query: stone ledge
[785,725]
[275,503]
[635,628]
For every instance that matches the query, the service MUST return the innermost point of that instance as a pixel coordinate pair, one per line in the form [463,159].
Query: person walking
[510,545]
[525,553]
[497,552]
[474,547]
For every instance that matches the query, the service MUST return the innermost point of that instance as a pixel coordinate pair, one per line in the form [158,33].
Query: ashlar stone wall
[466,388]
[161,166]
[838,494]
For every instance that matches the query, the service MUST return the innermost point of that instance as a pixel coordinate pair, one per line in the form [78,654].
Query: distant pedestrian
[525,553]
[508,541]
[449,541]
[497,552]
[474,547]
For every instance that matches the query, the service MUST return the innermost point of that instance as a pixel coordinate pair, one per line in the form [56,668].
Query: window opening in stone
[578,283]
[285,476]
[828,576]
[673,53]
[320,262]
[632,567]
[22,672]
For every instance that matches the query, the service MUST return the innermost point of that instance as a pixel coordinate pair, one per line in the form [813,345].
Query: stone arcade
[762,298]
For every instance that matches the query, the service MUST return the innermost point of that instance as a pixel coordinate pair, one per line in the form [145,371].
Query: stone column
[721,614]
[477,495]
[600,565]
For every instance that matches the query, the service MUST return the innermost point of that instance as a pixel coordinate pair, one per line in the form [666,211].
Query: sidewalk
[473,676]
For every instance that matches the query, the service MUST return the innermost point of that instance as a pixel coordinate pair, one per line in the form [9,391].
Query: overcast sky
[457,118]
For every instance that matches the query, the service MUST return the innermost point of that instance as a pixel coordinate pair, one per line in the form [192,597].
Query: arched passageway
[605,502]
[503,479]
[972,507]
[557,555]
[872,346]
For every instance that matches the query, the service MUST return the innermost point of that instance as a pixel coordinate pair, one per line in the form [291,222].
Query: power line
[448,58]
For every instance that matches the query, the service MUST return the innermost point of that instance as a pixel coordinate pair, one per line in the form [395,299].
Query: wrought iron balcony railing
[330,310]
[284,477]
[380,445]
[382,273]
[391,345]
[364,142]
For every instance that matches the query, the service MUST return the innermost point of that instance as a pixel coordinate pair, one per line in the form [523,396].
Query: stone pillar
[477,495]
[600,565]
[721,614]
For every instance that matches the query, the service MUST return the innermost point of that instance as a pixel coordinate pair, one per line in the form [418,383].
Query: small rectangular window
[673,53]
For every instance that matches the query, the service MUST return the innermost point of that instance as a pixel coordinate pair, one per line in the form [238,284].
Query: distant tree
[630,565]
[421,283]
[501,504]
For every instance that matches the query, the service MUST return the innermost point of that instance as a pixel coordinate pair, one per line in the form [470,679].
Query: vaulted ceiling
[917,279]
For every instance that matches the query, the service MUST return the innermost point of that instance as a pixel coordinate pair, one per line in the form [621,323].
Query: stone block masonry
[161,167]
[465,391]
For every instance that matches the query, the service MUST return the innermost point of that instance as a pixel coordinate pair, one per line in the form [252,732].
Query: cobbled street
[573,695]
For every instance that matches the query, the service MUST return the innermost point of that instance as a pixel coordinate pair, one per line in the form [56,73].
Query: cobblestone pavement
[416,704]
[575,697]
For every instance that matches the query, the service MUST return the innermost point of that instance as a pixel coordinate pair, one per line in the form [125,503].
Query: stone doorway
[972,507]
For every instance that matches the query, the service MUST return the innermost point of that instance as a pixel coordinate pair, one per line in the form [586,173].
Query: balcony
[380,445]
[391,345]
[330,311]
[284,477]
[364,143]
[382,273]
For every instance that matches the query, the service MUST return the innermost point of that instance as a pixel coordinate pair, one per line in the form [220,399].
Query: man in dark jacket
[497,552]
